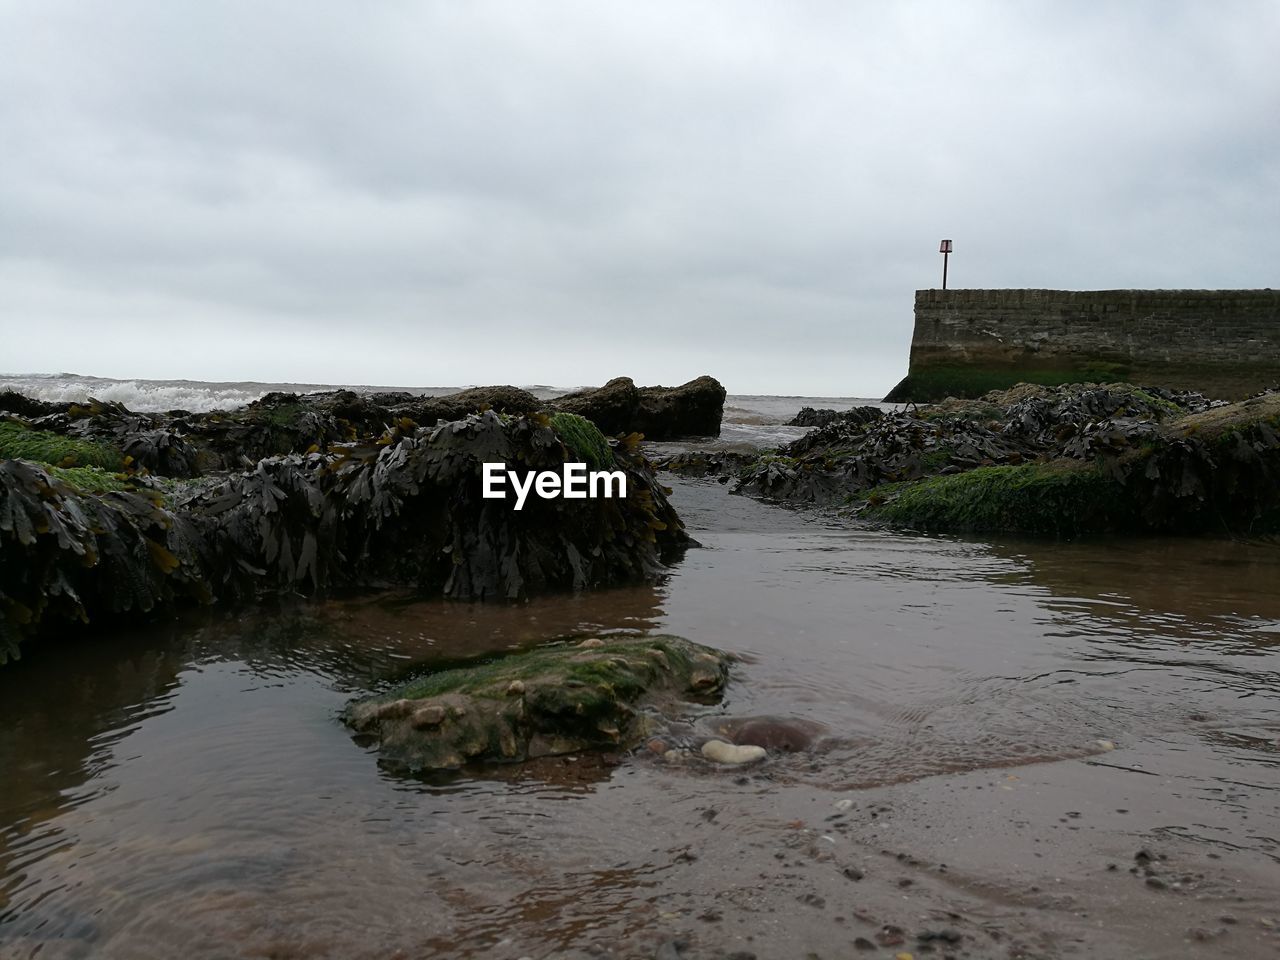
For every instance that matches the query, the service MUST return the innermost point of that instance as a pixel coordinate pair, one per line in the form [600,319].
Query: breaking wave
[141,395]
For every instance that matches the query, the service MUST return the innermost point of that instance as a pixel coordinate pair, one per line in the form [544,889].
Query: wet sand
[189,791]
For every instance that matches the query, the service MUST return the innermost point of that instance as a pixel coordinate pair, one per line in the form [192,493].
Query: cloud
[565,191]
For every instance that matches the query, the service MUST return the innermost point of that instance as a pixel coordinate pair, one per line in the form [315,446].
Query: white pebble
[721,752]
[1104,745]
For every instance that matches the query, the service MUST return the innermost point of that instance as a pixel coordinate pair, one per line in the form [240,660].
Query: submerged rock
[776,734]
[556,699]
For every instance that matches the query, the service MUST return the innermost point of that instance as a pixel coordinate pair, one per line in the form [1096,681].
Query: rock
[515,688]
[718,751]
[13,402]
[591,643]
[429,716]
[501,399]
[724,464]
[403,508]
[701,680]
[573,699]
[1104,745]
[693,409]
[1060,461]
[945,935]
[777,734]
[809,417]
[396,708]
[613,407]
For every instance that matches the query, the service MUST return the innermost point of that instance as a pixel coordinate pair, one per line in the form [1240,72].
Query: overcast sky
[562,192]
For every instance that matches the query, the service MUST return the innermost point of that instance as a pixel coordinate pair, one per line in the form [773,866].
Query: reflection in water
[189,789]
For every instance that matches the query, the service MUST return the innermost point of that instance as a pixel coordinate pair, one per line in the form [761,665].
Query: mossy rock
[560,698]
[1060,498]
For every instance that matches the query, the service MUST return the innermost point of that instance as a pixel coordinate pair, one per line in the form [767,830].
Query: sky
[564,191]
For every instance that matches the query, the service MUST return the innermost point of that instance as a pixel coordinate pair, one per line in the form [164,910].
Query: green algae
[583,439]
[19,442]
[557,698]
[1060,498]
[596,665]
[90,479]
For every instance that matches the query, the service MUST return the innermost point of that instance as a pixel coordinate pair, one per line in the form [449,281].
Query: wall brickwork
[1222,342]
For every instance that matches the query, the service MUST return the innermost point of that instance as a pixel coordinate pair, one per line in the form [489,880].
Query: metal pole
[944,270]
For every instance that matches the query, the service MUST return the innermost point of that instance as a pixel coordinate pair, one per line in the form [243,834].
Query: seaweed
[1049,460]
[402,509]
[1059,499]
[558,697]
[19,441]
[66,555]
[91,479]
[584,439]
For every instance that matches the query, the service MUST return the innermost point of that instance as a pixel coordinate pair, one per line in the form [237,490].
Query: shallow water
[189,790]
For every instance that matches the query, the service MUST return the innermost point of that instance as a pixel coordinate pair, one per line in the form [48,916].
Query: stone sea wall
[1224,343]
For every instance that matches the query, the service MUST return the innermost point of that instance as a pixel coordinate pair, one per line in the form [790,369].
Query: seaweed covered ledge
[90,535]
[1059,461]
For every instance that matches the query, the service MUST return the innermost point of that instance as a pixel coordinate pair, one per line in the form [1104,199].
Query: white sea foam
[140,395]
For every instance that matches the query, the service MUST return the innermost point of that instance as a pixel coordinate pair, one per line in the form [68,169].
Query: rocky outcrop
[809,417]
[185,445]
[613,408]
[502,399]
[401,508]
[1061,461]
[693,409]
[556,699]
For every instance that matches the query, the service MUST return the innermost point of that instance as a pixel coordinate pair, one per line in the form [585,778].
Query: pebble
[591,643]
[1104,745]
[515,688]
[845,804]
[721,752]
